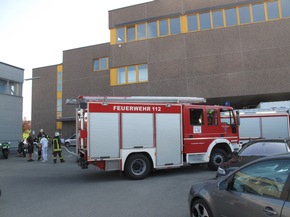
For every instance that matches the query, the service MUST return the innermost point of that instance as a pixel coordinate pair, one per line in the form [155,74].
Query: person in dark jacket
[56,148]
[29,141]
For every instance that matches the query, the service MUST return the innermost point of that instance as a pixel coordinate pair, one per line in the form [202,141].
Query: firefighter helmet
[56,133]
[41,130]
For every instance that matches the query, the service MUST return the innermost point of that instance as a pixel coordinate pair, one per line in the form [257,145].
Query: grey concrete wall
[11,106]
[79,77]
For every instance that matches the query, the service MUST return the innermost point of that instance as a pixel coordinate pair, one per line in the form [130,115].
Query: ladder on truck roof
[165,99]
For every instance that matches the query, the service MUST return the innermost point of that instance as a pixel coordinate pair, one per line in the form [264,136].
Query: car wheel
[137,166]
[217,157]
[67,144]
[200,209]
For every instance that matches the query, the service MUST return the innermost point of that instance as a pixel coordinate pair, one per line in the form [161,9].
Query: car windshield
[264,149]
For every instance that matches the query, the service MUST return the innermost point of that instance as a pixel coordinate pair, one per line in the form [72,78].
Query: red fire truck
[140,134]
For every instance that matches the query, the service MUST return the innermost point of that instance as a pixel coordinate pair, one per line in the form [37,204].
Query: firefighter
[37,140]
[56,148]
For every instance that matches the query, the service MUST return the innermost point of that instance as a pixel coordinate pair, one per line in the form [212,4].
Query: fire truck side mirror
[238,117]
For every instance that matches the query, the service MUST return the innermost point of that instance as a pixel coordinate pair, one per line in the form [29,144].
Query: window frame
[100,64]
[236,16]
[166,26]
[123,29]
[222,18]
[138,73]
[128,74]
[288,9]
[253,6]
[123,76]
[155,30]
[208,21]
[197,22]
[178,22]
[145,31]
[267,9]
[130,33]
[239,14]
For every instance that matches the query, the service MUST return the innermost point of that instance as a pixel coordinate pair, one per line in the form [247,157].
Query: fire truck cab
[140,134]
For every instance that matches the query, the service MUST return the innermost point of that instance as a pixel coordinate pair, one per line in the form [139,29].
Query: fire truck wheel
[217,157]
[137,166]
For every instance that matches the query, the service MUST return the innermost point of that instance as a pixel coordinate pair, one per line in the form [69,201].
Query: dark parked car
[260,188]
[253,150]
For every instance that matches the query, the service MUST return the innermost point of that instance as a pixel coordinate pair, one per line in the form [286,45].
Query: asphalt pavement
[36,189]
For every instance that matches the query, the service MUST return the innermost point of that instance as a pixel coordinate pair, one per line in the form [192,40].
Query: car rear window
[264,149]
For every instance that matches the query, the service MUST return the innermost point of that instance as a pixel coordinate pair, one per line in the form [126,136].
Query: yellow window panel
[113,36]
[58,125]
[59,68]
[113,77]
[184,28]
[59,95]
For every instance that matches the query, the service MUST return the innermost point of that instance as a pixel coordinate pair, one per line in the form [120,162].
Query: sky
[34,33]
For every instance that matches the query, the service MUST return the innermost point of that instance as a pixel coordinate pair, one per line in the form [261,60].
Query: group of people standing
[42,141]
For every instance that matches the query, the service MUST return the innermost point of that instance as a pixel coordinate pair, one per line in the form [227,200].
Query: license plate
[5,147]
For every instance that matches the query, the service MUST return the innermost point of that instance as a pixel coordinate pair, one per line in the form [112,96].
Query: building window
[192,24]
[218,20]
[121,35]
[121,75]
[101,64]
[258,12]
[152,30]
[10,87]
[104,63]
[13,88]
[3,85]
[231,17]
[244,13]
[174,26]
[142,31]
[285,5]
[143,72]
[272,10]
[131,33]
[59,76]
[205,21]
[59,105]
[59,87]
[131,74]
[163,29]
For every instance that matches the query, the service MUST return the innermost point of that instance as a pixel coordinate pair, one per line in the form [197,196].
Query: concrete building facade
[233,51]
[11,81]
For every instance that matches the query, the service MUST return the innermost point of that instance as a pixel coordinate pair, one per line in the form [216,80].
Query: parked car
[71,141]
[260,188]
[253,150]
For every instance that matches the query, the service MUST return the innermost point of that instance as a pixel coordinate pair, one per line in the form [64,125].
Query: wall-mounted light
[33,78]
